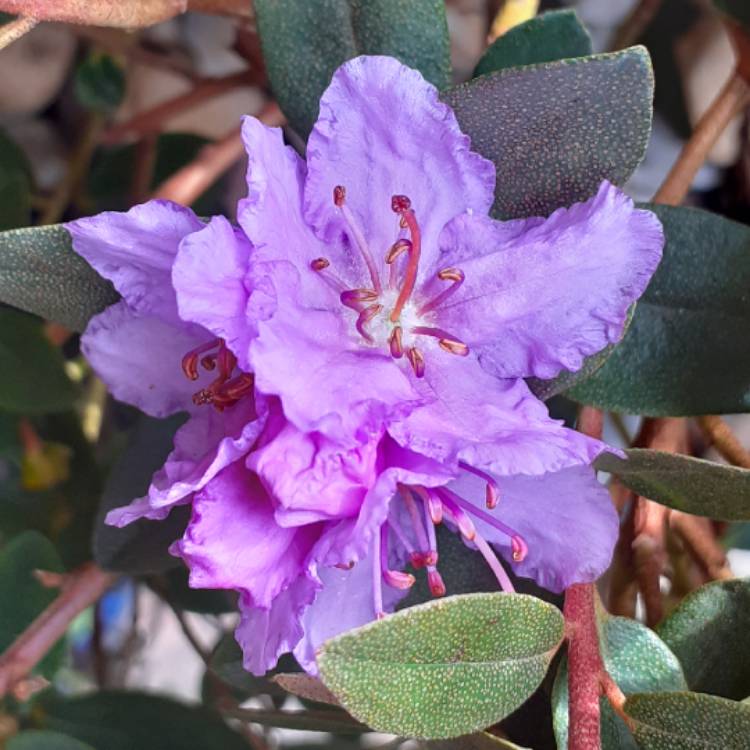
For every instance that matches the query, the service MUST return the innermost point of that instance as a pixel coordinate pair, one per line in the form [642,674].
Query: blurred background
[93,119]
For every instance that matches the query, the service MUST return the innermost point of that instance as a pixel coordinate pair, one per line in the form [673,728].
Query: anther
[436,583]
[319,264]
[395,343]
[344,566]
[519,548]
[364,318]
[355,298]
[398,248]
[190,360]
[432,504]
[397,579]
[416,360]
[491,489]
[454,347]
[456,275]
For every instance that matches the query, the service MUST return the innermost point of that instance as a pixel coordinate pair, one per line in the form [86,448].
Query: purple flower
[388,324]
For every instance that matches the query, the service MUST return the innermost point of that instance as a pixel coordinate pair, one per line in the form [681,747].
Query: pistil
[402,206]
[446,341]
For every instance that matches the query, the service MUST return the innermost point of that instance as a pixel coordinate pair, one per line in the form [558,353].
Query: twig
[81,589]
[123,14]
[143,169]
[240,8]
[650,555]
[212,161]
[732,99]
[700,540]
[623,587]
[636,23]
[152,120]
[718,432]
[9,32]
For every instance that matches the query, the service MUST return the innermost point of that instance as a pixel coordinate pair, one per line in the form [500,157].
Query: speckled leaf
[688,721]
[556,130]
[446,668]
[304,43]
[638,660]
[142,546]
[477,741]
[709,633]
[307,687]
[547,37]
[34,739]
[703,488]
[40,273]
[32,374]
[682,354]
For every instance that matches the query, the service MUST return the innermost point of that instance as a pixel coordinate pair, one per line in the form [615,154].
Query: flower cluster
[353,356]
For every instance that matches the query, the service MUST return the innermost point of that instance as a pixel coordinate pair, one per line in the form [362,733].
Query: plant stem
[636,23]
[731,100]
[698,536]
[80,590]
[724,440]
[124,14]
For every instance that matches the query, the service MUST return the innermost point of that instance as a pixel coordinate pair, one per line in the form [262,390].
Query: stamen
[322,267]
[339,198]
[364,318]
[355,298]
[233,390]
[399,532]
[431,502]
[491,489]
[425,555]
[377,579]
[394,578]
[436,583]
[416,360]
[446,341]
[402,205]
[465,525]
[519,548]
[400,246]
[190,360]
[456,275]
[344,566]
[395,343]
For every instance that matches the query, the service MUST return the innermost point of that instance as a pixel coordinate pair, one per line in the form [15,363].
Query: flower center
[387,314]
[225,390]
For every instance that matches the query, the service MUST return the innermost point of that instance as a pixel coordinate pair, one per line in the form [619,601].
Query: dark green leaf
[445,668]
[22,597]
[32,375]
[15,185]
[703,488]
[142,546]
[41,740]
[709,634]
[551,36]
[684,352]
[688,721]
[40,273]
[739,10]
[555,131]
[338,722]
[304,43]
[100,83]
[638,660]
[119,720]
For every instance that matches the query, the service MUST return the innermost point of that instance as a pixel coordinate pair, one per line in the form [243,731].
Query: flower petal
[209,277]
[490,423]
[382,131]
[541,295]
[266,634]
[233,541]
[139,357]
[135,251]
[566,518]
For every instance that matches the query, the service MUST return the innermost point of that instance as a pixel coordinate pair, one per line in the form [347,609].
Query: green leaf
[703,488]
[22,597]
[684,352]
[140,547]
[445,668]
[34,739]
[40,273]
[738,10]
[638,660]
[304,43]
[709,634]
[555,131]
[688,721]
[551,36]
[120,720]
[32,374]
[478,741]
[15,185]
[100,83]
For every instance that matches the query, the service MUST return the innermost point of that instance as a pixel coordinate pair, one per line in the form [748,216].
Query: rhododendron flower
[388,324]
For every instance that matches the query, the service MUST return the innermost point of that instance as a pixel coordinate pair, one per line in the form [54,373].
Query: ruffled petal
[345,602]
[540,295]
[135,251]
[266,634]
[382,131]
[234,542]
[566,518]
[139,357]
[493,424]
[210,280]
